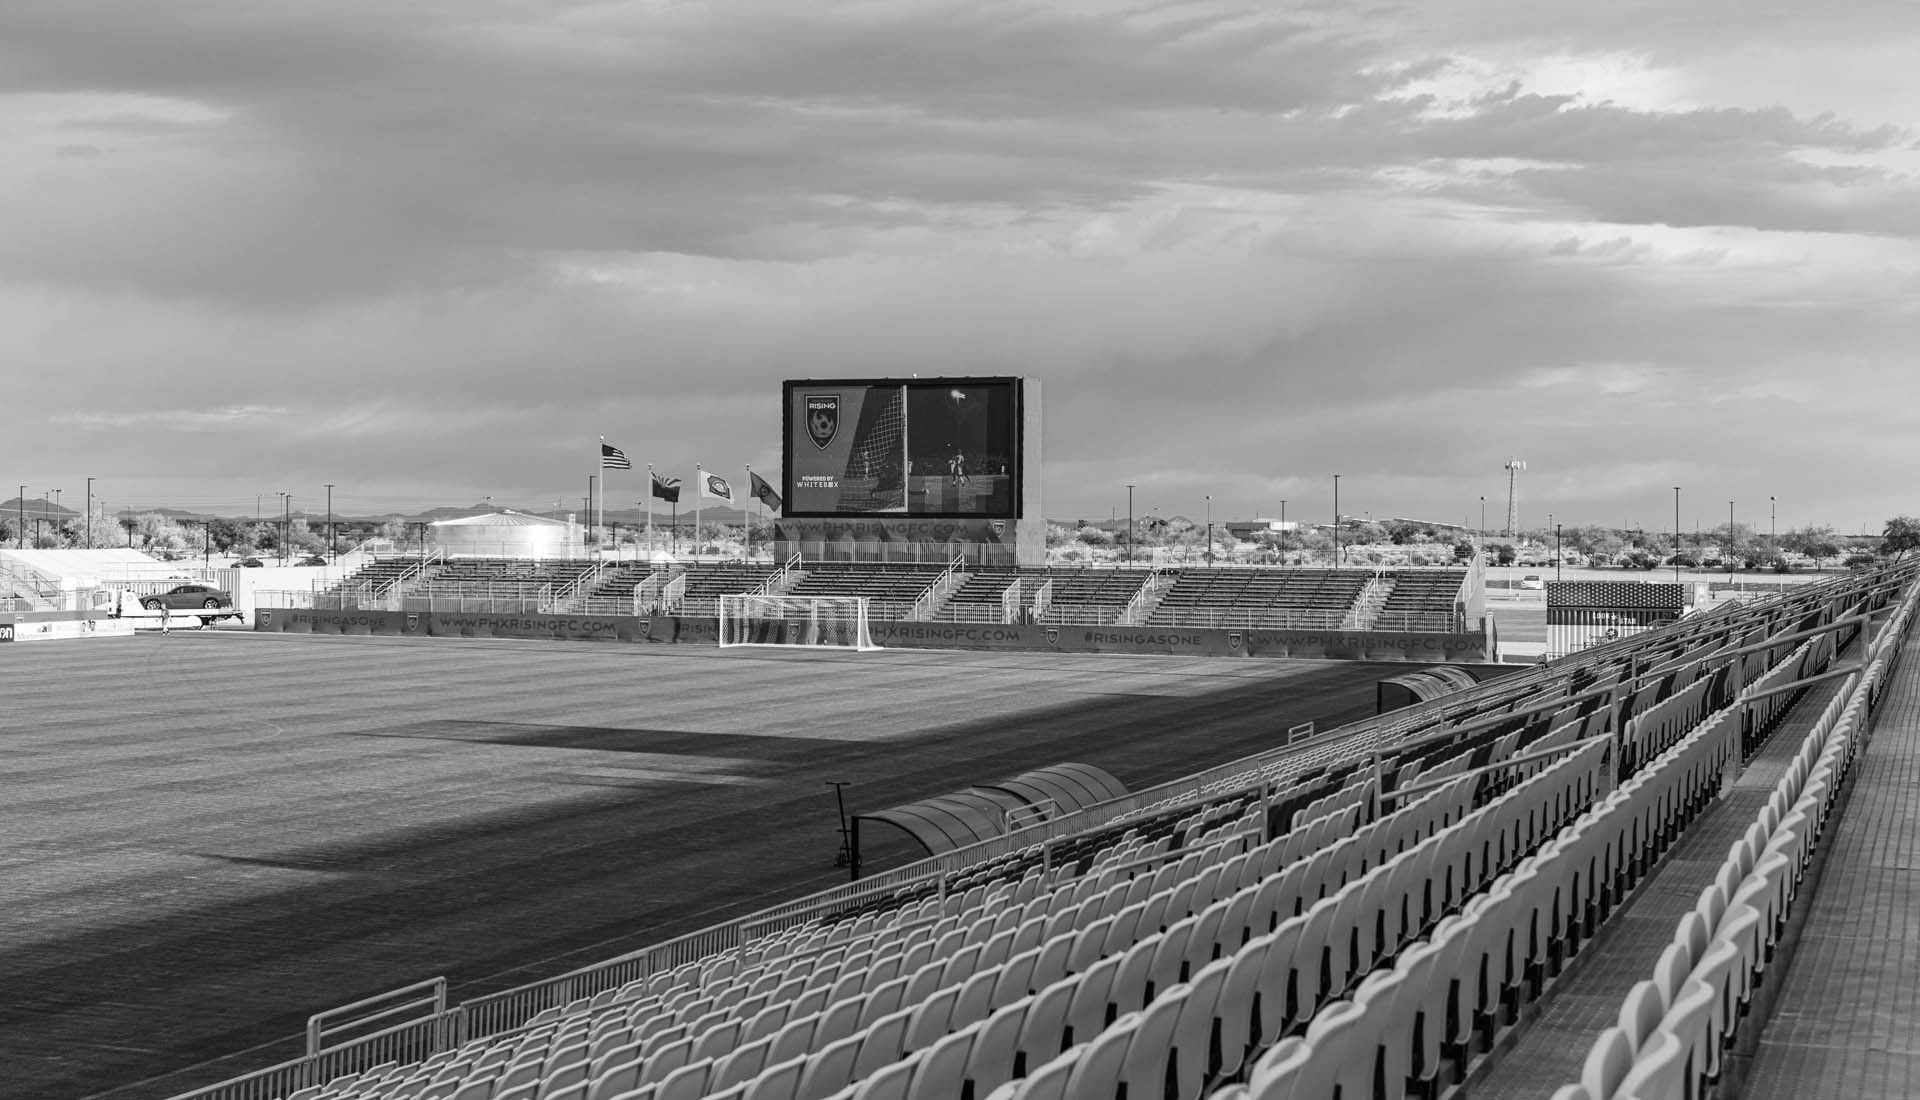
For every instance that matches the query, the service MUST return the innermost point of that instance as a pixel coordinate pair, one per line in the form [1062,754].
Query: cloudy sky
[429,251]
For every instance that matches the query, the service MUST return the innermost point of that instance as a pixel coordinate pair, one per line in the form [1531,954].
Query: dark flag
[765,492]
[666,488]
[613,458]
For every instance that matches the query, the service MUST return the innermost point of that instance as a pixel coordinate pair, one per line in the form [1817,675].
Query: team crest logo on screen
[823,418]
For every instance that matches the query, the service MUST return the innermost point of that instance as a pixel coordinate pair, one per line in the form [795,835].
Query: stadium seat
[1097,1071]
[1278,1073]
[1640,1013]
[778,1081]
[888,1082]
[1691,1020]
[1043,1029]
[1658,1071]
[1050,1080]
[828,1070]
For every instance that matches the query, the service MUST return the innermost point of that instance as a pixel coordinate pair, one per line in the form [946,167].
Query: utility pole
[1336,521]
[1129,523]
[1676,534]
[89,513]
[331,557]
[1513,467]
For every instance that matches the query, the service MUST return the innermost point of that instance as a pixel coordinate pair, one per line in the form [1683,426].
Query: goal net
[832,621]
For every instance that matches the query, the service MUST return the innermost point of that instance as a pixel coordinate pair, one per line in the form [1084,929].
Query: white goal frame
[790,622]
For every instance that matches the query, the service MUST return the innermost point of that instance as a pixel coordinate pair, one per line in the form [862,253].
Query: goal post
[832,622]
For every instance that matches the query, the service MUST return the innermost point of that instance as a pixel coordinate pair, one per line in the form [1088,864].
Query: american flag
[613,458]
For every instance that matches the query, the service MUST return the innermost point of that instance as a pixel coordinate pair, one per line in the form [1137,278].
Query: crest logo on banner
[823,418]
[1233,639]
[266,618]
[1053,635]
[999,527]
[643,627]
[413,622]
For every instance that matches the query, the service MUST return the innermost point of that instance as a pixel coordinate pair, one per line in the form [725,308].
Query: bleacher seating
[891,588]
[378,576]
[1423,599]
[1314,598]
[1366,914]
[979,597]
[1097,596]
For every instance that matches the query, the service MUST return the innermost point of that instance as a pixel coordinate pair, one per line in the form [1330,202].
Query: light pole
[1209,528]
[1483,517]
[1772,530]
[1129,523]
[1728,552]
[1556,551]
[53,522]
[330,552]
[1283,532]
[89,513]
[1336,521]
[22,533]
[1676,534]
[286,523]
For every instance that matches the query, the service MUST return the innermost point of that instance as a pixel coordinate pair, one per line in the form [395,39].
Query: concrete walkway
[1847,1020]
[1549,1050]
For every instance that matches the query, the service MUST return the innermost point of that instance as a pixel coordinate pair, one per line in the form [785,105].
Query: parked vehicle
[189,596]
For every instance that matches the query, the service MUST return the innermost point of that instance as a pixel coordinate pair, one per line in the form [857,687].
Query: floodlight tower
[1513,467]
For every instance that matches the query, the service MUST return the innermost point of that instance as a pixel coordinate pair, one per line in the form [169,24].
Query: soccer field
[211,835]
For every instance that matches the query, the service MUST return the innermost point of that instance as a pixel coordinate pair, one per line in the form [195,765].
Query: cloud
[428,249]
[232,418]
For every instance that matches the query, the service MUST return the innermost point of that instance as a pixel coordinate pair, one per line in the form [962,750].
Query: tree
[1505,554]
[1902,534]
[228,535]
[1463,551]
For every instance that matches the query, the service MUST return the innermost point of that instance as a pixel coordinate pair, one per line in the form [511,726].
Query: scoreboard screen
[942,447]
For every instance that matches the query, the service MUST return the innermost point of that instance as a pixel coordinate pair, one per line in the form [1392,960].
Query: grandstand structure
[1374,911]
[1445,600]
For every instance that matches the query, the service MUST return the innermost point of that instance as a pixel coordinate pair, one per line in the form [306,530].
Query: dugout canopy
[949,821]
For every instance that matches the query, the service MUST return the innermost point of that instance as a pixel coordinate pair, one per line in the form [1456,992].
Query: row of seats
[1414,1030]
[1424,591]
[1675,1027]
[1282,984]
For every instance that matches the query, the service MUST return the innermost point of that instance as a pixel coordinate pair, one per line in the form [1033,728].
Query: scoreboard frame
[791,429]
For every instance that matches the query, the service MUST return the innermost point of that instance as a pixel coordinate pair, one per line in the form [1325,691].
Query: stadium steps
[1560,1029]
[1366,607]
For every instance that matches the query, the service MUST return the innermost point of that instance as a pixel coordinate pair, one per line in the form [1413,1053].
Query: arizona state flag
[765,492]
[666,488]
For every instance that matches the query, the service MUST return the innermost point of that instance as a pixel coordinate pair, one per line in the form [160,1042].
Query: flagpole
[592,479]
[649,513]
[699,494]
[747,515]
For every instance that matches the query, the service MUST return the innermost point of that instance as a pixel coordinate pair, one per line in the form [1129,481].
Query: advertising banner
[669,629]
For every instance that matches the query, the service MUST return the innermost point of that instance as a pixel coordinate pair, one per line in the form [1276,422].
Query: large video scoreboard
[928,447]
